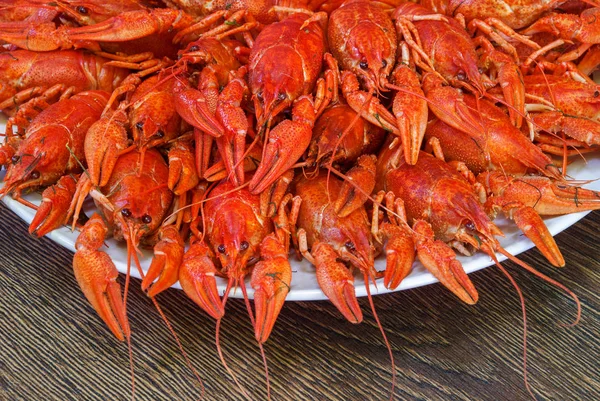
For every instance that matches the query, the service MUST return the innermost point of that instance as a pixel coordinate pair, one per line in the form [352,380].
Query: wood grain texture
[54,347]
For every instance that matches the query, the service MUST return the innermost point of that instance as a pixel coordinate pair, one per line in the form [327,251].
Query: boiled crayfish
[221,134]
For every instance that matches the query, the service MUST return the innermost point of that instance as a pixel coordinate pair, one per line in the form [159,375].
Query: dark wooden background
[54,347]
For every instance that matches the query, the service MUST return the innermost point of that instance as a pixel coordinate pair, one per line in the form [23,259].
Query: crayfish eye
[194,48]
[364,65]
[281,96]
[35,174]
[244,245]
[146,219]
[15,159]
[461,76]
[383,63]
[596,93]
[349,245]
[221,248]
[470,225]
[139,125]
[160,133]
[82,10]
[126,212]
[259,96]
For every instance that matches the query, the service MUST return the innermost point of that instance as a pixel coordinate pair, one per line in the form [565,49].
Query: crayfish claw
[535,229]
[193,107]
[271,280]
[168,255]
[547,196]
[357,186]
[286,144]
[411,111]
[336,282]
[183,175]
[272,197]
[197,279]
[103,292]
[440,260]
[400,255]
[54,207]
[97,277]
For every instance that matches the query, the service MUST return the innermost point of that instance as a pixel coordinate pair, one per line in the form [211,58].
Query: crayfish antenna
[385,339]
[188,362]
[128,333]
[260,345]
[524,314]
[487,249]
[130,350]
[230,283]
[548,280]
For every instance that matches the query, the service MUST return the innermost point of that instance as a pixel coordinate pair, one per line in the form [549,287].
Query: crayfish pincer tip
[97,275]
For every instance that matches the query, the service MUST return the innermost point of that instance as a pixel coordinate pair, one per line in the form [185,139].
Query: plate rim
[417,278]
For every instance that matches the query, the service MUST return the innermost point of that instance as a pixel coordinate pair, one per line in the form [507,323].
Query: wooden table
[54,347]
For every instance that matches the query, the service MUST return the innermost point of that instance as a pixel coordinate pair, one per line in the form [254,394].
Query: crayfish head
[271,101]
[130,228]
[233,242]
[476,240]
[34,164]
[196,52]
[365,47]
[153,116]
[373,64]
[94,12]
[155,122]
[374,73]
[466,74]
[137,197]
[211,51]
[138,217]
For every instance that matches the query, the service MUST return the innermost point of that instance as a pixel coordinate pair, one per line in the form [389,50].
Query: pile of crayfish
[222,134]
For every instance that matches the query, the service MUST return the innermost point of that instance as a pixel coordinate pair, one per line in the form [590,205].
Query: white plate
[304,286]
